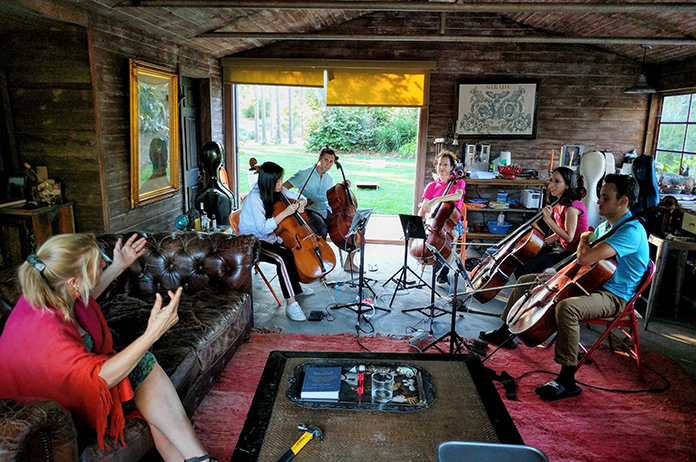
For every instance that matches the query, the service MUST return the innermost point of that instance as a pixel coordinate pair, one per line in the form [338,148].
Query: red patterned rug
[597,425]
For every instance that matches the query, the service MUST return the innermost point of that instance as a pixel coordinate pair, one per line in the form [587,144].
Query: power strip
[418,336]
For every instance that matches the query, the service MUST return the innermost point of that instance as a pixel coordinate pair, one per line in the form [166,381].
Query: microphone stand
[456,344]
[432,311]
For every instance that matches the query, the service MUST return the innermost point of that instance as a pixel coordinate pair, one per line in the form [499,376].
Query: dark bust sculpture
[216,198]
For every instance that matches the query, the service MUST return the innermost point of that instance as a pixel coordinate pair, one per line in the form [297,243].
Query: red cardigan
[43,356]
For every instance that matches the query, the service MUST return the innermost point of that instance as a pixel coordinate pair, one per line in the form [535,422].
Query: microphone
[438,254]
[459,262]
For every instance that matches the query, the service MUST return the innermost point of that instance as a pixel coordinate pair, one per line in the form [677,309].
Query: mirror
[154,132]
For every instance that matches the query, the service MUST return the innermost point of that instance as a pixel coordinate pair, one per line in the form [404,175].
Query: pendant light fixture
[641,86]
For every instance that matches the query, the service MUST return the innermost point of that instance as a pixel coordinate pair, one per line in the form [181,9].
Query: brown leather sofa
[215,317]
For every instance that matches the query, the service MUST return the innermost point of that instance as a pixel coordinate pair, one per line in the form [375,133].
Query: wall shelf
[495,237]
[489,209]
[488,191]
[515,182]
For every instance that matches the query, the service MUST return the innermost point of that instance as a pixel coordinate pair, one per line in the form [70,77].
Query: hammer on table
[310,432]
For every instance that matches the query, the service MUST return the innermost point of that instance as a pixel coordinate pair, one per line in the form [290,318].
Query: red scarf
[43,356]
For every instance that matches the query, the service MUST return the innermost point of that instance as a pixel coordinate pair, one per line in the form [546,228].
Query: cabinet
[487,189]
[23,230]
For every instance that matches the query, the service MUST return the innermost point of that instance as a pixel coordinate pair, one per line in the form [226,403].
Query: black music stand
[359,224]
[413,228]
[456,344]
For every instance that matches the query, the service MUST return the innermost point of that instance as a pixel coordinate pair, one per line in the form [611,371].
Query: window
[676,139]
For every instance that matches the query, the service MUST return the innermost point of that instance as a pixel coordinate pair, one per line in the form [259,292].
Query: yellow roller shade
[274,76]
[376,87]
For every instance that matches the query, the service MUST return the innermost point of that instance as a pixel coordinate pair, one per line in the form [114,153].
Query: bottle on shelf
[501,219]
[205,222]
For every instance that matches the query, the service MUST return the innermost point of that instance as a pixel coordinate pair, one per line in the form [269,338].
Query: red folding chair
[627,319]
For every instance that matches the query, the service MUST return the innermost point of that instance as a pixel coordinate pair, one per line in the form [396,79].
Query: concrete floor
[673,340]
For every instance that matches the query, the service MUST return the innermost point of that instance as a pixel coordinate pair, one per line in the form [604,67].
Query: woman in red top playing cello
[567,220]
[434,194]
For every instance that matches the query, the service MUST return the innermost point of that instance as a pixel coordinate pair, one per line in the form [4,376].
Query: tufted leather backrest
[192,260]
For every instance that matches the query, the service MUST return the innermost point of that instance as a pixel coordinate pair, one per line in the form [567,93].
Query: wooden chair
[627,319]
[234,223]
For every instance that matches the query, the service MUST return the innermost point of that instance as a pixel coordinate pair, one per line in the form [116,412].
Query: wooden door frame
[229,95]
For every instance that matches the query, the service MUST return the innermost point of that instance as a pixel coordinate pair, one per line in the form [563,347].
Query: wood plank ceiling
[184,21]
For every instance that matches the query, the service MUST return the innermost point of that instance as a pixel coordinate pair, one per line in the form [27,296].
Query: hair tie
[36,262]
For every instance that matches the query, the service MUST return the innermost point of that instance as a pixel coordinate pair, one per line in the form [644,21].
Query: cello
[533,317]
[313,256]
[343,206]
[445,217]
[514,251]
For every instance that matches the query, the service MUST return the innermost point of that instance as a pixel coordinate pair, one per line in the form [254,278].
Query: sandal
[202,458]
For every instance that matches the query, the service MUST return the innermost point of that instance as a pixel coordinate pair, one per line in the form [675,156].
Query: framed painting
[154,115]
[505,108]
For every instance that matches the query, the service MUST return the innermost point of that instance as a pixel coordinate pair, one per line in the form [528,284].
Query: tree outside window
[676,142]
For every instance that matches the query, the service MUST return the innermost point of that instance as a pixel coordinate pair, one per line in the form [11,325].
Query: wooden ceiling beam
[450,38]
[468,7]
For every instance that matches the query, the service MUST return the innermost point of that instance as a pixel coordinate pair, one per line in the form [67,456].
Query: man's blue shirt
[316,189]
[630,242]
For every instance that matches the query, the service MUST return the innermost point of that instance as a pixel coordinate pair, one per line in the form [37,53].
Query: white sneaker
[294,312]
[306,291]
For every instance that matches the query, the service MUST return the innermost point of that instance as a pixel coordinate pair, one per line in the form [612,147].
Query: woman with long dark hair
[257,219]
[567,220]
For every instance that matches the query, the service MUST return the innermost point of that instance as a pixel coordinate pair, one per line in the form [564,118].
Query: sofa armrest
[36,430]
[196,261]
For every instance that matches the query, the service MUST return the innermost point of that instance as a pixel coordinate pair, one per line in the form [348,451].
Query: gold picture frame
[154,117]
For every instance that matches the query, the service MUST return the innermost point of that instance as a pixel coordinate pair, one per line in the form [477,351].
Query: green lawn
[396,177]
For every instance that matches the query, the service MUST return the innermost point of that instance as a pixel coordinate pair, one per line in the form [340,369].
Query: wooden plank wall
[581,99]
[111,45]
[679,75]
[50,90]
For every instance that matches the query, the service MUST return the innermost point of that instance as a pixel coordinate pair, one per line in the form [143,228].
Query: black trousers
[547,257]
[319,224]
[284,261]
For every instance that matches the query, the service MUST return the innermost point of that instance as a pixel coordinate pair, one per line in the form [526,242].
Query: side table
[663,248]
[23,230]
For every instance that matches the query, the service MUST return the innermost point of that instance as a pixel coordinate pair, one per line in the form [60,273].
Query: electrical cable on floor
[612,390]
[359,329]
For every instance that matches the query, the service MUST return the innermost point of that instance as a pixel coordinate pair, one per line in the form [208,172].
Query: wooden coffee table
[467,407]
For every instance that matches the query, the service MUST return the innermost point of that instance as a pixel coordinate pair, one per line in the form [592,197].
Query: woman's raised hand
[126,254]
[162,318]
[548,214]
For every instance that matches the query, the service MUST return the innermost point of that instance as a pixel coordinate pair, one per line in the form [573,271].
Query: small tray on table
[414,389]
